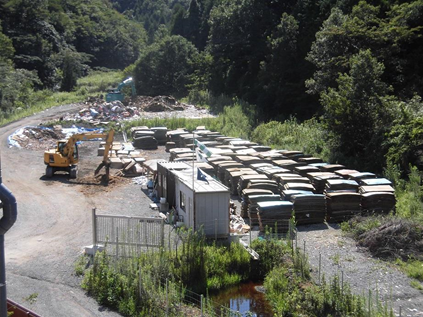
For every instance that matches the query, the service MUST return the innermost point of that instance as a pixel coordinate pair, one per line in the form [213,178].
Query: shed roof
[200,186]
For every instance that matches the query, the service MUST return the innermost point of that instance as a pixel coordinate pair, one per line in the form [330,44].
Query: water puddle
[244,298]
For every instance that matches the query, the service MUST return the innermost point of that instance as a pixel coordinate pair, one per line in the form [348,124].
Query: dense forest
[354,65]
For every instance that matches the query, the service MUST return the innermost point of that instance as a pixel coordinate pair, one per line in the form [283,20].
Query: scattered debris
[38,138]
[98,111]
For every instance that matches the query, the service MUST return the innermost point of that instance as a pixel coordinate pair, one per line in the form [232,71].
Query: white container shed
[202,204]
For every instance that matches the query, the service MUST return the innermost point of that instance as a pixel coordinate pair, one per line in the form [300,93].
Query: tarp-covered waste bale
[221,168]
[271,155]
[309,208]
[341,206]
[248,160]
[269,172]
[249,206]
[361,175]
[232,176]
[332,167]
[264,184]
[292,154]
[319,180]
[260,165]
[244,198]
[373,189]
[345,173]
[179,150]
[287,194]
[280,177]
[375,182]
[333,185]
[138,129]
[244,179]
[141,133]
[292,179]
[169,146]
[298,186]
[160,134]
[303,170]
[274,215]
[175,136]
[261,148]
[378,202]
[145,143]
[288,164]
[310,160]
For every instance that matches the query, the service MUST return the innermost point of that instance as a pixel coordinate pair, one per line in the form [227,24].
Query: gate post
[94,220]
[162,234]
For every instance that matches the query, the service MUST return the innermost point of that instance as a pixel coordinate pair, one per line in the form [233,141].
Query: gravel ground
[362,272]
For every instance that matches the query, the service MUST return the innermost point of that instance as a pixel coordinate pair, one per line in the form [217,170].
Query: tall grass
[95,83]
[235,121]
[408,192]
[136,283]
[292,292]
[308,136]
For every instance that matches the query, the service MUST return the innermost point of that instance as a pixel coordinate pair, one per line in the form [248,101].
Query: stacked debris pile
[341,206]
[309,208]
[99,111]
[274,215]
[157,104]
[238,225]
[96,110]
[125,159]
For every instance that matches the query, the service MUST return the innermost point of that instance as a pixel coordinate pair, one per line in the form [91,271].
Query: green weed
[336,259]
[80,265]
[32,298]
[413,268]
[417,285]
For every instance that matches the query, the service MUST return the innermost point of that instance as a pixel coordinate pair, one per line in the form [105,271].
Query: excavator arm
[65,157]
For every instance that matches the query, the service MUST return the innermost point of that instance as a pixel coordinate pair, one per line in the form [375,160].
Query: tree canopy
[354,64]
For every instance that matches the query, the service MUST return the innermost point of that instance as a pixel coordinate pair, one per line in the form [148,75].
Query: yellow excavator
[65,156]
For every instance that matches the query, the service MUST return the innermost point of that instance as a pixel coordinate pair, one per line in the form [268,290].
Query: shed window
[182,200]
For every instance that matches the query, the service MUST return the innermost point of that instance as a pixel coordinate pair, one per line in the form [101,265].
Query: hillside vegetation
[353,65]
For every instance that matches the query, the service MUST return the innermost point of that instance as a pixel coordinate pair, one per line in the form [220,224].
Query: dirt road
[53,225]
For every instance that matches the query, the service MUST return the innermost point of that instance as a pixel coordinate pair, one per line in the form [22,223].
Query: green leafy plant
[32,298]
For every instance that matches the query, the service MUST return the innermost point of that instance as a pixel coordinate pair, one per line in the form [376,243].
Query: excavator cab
[59,160]
[61,147]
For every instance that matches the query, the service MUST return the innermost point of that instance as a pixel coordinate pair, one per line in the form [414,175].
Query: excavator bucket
[105,177]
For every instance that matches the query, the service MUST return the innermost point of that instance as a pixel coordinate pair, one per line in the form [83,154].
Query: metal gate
[127,231]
